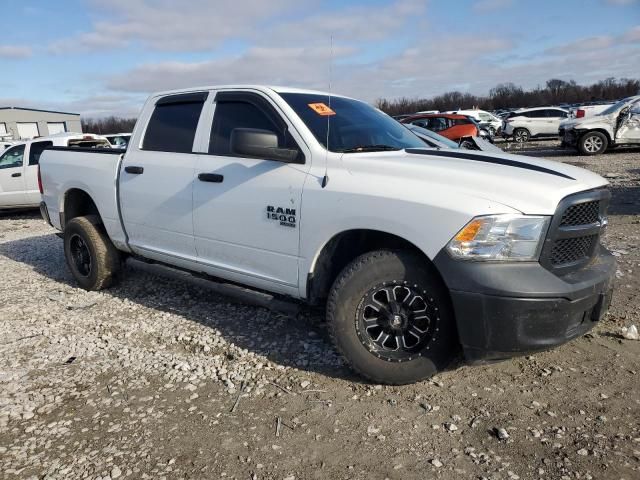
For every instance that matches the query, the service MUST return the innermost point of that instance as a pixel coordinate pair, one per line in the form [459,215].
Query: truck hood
[528,185]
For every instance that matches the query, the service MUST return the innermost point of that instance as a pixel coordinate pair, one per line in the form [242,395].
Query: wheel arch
[77,202]
[344,247]
[599,130]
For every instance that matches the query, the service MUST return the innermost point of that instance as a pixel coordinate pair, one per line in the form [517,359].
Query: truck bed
[92,170]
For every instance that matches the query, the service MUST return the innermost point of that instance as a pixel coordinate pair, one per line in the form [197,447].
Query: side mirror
[253,142]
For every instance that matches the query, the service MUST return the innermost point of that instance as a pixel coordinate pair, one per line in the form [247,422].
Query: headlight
[500,237]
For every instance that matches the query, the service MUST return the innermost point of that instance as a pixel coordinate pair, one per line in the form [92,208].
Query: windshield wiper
[369,148]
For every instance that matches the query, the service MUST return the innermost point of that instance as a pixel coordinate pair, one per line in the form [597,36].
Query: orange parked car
[449,125]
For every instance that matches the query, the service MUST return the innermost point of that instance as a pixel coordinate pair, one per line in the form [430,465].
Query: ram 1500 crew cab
[416,252]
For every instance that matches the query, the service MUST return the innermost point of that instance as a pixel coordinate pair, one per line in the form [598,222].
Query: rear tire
[593,143]
[521,135]
[408,284]
[93,260]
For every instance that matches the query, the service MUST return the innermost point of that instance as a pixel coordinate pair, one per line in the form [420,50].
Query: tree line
[107,125]
[509,95]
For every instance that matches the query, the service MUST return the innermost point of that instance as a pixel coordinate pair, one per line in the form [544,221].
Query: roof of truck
[274,88]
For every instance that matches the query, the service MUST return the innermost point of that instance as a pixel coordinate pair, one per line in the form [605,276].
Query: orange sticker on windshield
[321,109]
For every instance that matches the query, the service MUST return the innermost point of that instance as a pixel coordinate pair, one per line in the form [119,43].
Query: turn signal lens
[469,232]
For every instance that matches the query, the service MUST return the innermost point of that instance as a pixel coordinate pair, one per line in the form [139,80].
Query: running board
[238,292]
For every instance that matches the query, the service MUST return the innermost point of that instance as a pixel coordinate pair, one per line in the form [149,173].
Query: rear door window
[172,126]
[36,150]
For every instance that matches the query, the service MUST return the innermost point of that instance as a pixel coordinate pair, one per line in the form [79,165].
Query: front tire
[390,316]
[93,260]
[593,143]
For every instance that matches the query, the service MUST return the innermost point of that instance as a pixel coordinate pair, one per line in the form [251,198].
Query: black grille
[581,214]
[573,238]
[569,250]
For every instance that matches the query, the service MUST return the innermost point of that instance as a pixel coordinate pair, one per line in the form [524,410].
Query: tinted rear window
[172,127]
[36,150]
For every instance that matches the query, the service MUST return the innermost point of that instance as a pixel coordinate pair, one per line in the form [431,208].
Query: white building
[17,123]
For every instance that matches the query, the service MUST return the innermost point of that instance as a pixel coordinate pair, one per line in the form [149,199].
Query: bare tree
[105,126]
[509,95]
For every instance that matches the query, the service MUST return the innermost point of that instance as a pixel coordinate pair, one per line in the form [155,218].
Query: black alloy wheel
[396,321]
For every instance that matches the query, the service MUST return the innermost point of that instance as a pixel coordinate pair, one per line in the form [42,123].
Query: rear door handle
[134,170]
[210,177]
[16,174]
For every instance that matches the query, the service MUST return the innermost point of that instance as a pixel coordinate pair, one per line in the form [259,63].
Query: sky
[104,57]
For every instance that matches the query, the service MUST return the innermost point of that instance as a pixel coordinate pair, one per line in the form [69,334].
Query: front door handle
[210,177]
[134,170]
[16,174]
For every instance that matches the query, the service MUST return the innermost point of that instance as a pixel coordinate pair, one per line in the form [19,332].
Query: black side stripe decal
[481,158]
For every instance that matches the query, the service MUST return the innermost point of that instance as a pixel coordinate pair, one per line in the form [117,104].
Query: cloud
[203,25]
[396,74]
[597,43]
[174,25]
[621,2]
[287,43]
[283,65]
[465,62]
[484,6]
[15,51]
[584,44]
[632,36]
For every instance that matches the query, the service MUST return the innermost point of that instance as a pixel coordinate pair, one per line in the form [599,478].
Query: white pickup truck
[418,253]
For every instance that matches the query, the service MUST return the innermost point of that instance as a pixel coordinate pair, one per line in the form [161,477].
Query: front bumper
[507,130]
[506,310]
[568,137]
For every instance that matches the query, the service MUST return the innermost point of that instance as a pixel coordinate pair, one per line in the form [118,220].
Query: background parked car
[453,127]
[617,125]
[491,122]
[19,166]
[529,123]
[434,140]
[119,140]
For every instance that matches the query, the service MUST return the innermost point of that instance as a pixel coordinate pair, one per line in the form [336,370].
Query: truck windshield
[353,126]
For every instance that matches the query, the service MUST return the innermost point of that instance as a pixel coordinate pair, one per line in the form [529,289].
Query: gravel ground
[164,377]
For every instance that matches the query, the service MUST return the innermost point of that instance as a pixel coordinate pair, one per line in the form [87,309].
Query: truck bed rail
[111,151]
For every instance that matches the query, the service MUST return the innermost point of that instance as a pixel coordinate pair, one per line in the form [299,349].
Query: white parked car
[617,125]
[528,123]
[486,119]
[19,166]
